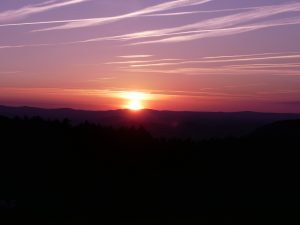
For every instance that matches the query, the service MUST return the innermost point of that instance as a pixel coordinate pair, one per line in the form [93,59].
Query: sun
[135,100]
[135,105]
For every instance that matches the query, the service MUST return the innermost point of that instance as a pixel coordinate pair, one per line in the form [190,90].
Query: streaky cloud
[25,46]
[199,12]
[189,36]
[204,60]
[221,22]
[134,56]
[44,22]
[223,31]
[249,55]
[114,91]
[36,8]
[154,64]
[143,61]
[206,66]
[253,59]
[212,27]
[216,27]
[268,65]
[10,72]
[147,15]
[105,20]
[221,70]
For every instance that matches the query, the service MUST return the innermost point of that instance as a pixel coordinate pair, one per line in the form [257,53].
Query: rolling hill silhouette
[55,172]
[288,129]
[196,125]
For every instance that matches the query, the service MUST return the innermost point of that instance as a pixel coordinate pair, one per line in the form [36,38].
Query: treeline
[53,169]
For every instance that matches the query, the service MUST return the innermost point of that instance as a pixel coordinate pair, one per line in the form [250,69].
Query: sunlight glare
[135,100]
[135,105]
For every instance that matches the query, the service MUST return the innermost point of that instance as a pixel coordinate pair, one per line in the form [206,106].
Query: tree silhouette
[52,169]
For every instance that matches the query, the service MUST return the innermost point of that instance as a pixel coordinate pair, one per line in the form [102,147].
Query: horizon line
[141,110]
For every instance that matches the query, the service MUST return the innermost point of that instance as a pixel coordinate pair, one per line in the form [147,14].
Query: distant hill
[289,129]
[197,125]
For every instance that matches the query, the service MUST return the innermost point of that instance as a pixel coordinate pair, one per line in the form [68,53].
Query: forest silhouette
[55,171]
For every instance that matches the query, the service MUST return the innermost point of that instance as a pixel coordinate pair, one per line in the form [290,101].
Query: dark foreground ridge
[57,173]
[195,125]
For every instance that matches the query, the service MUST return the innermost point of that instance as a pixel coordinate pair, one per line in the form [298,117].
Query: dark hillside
[196,125]
[54,171]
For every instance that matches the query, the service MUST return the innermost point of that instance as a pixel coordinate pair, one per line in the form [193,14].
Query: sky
[184,55]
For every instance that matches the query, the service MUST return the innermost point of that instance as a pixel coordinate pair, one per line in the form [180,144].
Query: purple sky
[200,55]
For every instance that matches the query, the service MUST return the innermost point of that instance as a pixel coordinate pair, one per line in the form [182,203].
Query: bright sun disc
[135,100]
[135,105]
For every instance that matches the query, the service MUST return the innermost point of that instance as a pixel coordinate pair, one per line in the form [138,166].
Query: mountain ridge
[179,124]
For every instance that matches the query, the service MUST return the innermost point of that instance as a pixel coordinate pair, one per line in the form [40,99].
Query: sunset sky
[187,55]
